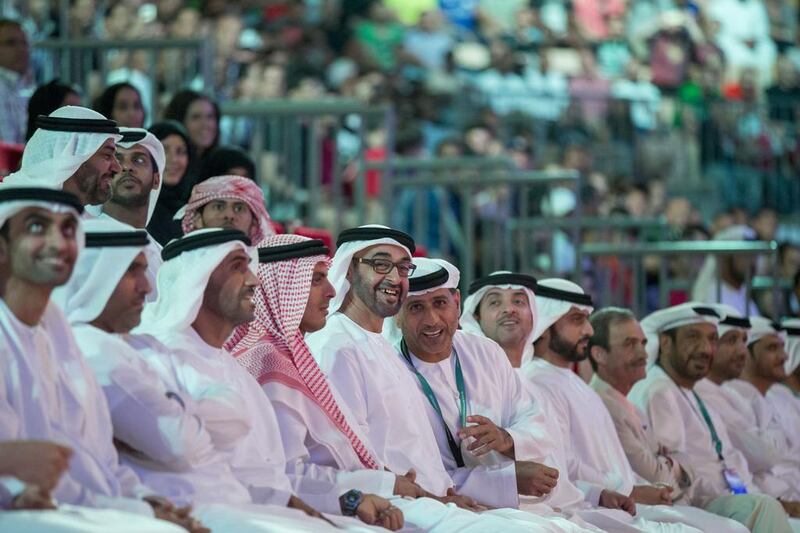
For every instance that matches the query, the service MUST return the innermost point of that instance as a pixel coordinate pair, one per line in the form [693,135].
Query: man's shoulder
[656,384]
[472,343]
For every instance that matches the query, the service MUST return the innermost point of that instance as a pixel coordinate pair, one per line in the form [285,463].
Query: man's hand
[652,495]
[35,462]
[791,508]
[180,516]
[464,502]
[535,479]
[488,437]
[405,486]
[615,500]
[33,498]
[377,511]
[297,503]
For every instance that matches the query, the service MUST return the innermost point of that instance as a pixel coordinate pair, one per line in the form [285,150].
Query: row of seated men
[269,387]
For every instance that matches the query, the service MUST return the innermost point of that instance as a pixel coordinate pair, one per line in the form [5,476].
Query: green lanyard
[714,437]
[704,413]
[462,399]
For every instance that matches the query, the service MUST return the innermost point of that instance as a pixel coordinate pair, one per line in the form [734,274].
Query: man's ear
[156,180]
[349,276]
[598,354]
[197,220]
[457,297]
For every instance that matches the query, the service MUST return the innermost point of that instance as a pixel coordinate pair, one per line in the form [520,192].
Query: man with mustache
[231,202]
[595,456]
[370,276]
[765,368]
[681,344]
[619,360]
[72,149]
[135,190]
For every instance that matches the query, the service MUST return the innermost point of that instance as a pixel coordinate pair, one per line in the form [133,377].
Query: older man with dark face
[682,342]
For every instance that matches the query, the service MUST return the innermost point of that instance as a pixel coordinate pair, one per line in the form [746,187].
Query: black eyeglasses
[384,266]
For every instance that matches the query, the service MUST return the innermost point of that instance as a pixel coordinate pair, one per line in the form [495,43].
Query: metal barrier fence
[635,254]
[155,66]
[295,146]
[461,207]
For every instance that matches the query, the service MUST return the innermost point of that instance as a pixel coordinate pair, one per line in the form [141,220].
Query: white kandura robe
[787,406]
[782,479]
[315,447]
[174,453]
[47,392]
[214,380]
[595,454]
[382,397]
[676,419]
[493,390]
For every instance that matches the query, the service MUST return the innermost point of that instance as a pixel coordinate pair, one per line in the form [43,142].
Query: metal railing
[75,61]
[663,250]
[286,139]
[532,231]
[438,201]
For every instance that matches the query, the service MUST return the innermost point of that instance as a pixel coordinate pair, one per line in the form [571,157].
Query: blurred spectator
[122,103]
[380,36]
[593,16]
[784,96]
[47,98]
[429,43]
[744,36]
[227,161]
[178,180]
[199,114]
[14,81]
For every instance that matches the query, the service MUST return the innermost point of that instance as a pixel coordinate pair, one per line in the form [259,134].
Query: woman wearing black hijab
[178,179]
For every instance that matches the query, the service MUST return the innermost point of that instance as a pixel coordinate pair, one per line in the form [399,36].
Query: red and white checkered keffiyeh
[272,348]
[229,188]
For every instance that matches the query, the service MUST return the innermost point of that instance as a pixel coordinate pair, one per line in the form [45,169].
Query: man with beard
[595,456]
[765,368]
[232,202]
[205,290]
[682,341]
[727,275]
[370,275]
[619,360]
[72,149]
[134,191]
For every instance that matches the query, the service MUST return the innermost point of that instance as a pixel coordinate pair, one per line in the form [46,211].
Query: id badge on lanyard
[734,481]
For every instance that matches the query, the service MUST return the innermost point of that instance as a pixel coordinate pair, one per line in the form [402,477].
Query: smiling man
[619,360]
[682,342]
[502,306]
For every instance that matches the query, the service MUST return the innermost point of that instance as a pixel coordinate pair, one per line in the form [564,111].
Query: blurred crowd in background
[685,110]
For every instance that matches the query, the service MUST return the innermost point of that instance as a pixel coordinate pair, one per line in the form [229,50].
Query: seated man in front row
[682,341]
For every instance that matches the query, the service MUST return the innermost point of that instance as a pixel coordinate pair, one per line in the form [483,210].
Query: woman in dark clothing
[178,180]
[227,160]
[49,97]
[199,114]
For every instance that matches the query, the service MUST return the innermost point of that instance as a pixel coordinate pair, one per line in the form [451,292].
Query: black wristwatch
[349,502]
